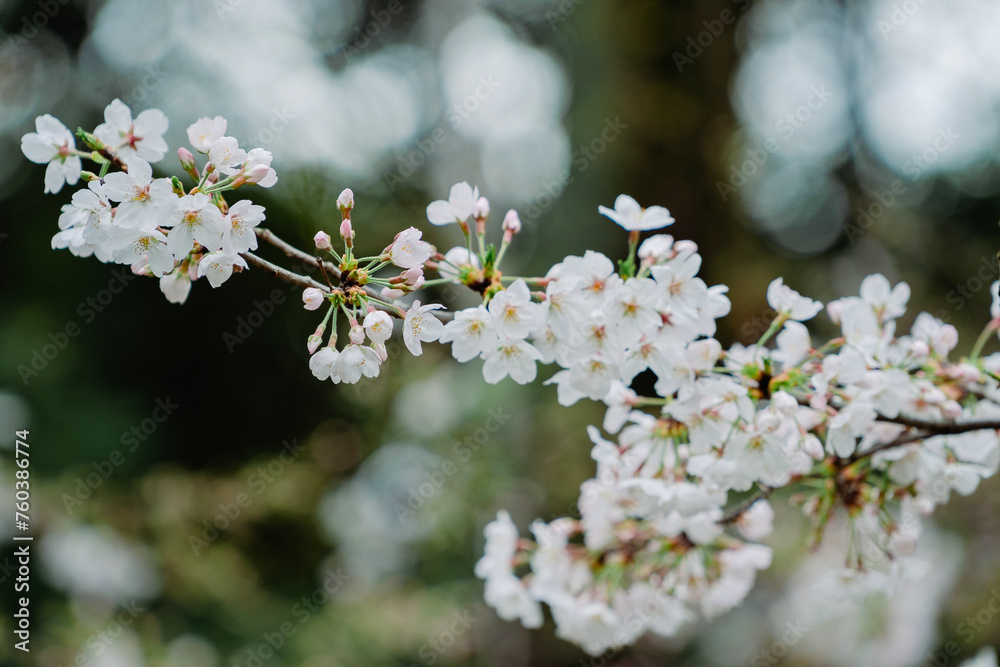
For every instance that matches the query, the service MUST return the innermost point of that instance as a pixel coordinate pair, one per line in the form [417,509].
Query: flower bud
[322,241]
[511,222]
[345,202]
[834,309]
[312,343]
[312,298]
[951,410]
[357,333]
[919,348]
[256,174]
[684,245]
[784,403]
[481,209]
[186,157]
[412,276]
[347,232]
[812,446]
[380,350]
[389,293]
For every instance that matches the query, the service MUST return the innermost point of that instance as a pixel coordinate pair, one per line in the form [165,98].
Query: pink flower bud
[411,276]
[380,350]
[685,245]
[257,174]
[834,310]
[812,446]
[951,410]
[322,241]
[186,158]
[346,200]
[312,343]
[511,222]
[357,333]
[481,209]
[312,298]
[389,293]
[347,232]
[784,403]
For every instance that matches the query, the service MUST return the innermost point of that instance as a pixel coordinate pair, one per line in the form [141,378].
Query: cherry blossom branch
[939,427]
[284,274]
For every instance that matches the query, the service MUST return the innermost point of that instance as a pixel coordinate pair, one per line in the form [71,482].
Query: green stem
[981,341]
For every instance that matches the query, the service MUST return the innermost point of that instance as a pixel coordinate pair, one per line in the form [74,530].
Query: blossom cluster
[873,424]
[127,216]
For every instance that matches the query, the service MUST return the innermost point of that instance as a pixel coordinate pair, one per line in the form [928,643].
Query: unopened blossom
[218,266]
[408,250]
[52,144]
[322,241]
[204,132]
[378,326]
[790,303]
[176,286]
[142,137]
[628,214]
[312,298]
[420,325]
[481,209]
[458,207]
[345,200]
[512,222]
[257,168]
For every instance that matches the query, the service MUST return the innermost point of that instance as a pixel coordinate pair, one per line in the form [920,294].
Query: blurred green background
[819,141]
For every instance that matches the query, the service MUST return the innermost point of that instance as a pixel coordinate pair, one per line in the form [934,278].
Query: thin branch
[284,274]
[940,427]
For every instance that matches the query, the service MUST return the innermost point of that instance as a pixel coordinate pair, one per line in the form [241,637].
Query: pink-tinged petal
[37,149]
[439,213]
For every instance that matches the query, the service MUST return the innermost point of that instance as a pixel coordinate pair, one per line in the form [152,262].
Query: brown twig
[284,274]
[733,515]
